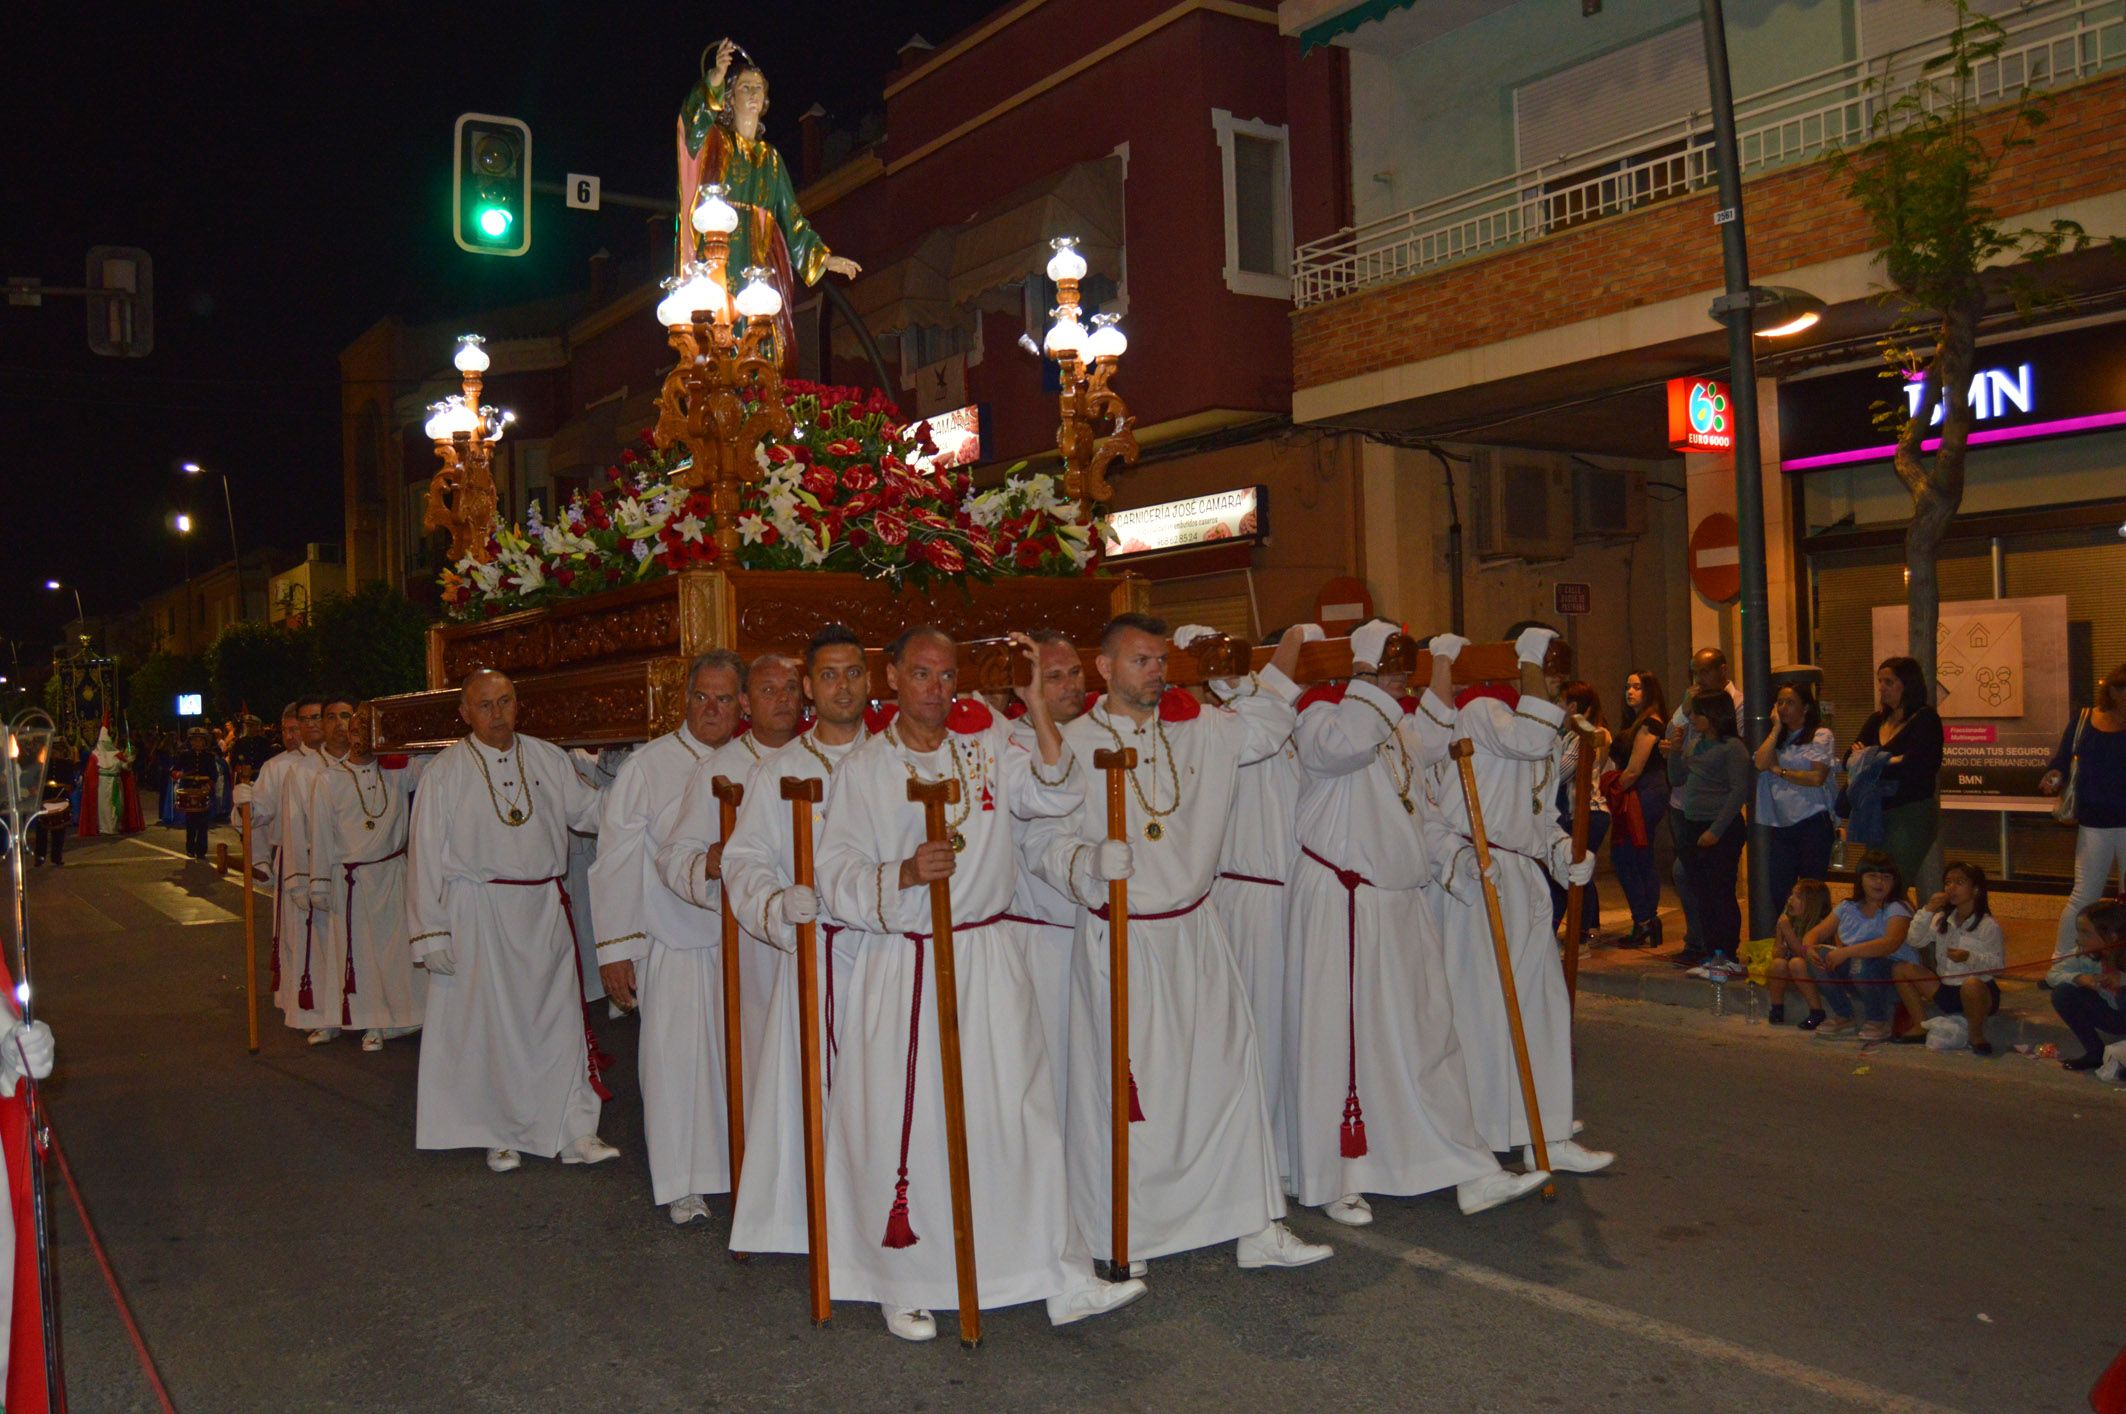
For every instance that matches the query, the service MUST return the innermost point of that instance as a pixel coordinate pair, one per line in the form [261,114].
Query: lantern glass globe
[712,214]
[759,299]
[470,357]
[1066,263]
[1066,337]
[1107,340]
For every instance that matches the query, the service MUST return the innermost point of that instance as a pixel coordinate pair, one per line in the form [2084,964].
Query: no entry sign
[1716,558]
[1575,598]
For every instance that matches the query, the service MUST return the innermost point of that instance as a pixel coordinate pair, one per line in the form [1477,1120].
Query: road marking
[173,903]
[1648,1328]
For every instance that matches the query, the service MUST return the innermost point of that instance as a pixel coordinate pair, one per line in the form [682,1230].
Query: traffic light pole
[1736,309]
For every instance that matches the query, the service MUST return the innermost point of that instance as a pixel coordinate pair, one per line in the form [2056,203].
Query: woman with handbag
[2088,775]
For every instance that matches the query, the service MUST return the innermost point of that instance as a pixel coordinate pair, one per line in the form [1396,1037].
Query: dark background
[289,170]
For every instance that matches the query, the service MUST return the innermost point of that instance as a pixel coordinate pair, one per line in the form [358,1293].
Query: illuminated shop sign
[961,436]
[1240,514]
[1701,415]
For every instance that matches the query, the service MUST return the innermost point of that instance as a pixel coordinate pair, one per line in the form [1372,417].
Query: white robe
[280,798]
[885,1115]
[505,1058]
[1516,778]
[1046,921]
[673,943]
[358,817]
[1372,1036]
[1203,1161]
[598,770]
[769,1215]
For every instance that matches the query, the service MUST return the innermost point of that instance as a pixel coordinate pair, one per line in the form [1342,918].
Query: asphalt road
[1781,1232]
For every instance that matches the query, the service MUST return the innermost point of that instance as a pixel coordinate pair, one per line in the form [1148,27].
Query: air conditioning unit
[1608,503]
[323,551]
[1521,504]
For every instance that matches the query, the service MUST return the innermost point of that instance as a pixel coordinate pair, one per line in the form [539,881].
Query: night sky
[288,168]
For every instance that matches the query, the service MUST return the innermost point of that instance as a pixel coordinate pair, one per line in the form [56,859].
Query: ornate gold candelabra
[1097,429]
[727,359]
[461,497]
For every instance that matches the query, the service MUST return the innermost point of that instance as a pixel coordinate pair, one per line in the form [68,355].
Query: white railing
[2050,43]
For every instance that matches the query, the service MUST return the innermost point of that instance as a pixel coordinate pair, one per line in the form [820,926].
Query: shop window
[1258,205]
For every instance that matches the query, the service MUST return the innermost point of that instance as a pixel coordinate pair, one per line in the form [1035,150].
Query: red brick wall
[1796,216]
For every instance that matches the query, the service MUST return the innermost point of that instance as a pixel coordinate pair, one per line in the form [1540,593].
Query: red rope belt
[1353,1133]
[1252,879]
[899,1232]
[275,867]
[568,911]
[347,983]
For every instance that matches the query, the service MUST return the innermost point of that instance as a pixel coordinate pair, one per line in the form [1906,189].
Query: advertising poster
[2001,689]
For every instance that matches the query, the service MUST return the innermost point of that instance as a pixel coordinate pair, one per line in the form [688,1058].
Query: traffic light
[491,189]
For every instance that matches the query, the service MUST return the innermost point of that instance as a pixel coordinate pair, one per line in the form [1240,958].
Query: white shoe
[1096,1299]
[392,1033]
[1352,1210]
[1570,1156]
[687,1209]
[590,1149]
[1493,1189]
[323,1036]
[372,1040]
[503,1160]
[1278,1246]
[917,1326]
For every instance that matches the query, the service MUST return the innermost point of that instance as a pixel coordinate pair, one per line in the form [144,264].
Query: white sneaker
[323,1036]
[503,1160]
[687,1209]
[1479,1195]
[917,1326]
[1352,1210]
[372,1040]
[590,1149]
[1570,1156]
[1096,1299]
[1278,1246]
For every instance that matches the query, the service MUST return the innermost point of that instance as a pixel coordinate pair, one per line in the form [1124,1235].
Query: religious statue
[720,141]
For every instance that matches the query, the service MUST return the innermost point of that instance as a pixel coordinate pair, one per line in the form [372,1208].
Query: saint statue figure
[720,141]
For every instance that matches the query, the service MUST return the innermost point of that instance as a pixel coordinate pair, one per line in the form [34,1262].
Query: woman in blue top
[2094,749]
[1794,790]
[1859,943]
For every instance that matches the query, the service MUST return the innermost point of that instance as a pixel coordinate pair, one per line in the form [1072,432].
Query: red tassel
[600,1057]
[303,997]
[1354,1128]
[276,966]
[898,1232]
[1136,1111]
[346,1012]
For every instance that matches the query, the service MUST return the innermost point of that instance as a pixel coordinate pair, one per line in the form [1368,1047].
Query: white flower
[751,528]
[690,529]
[643,549]
[528,576]
[486,577]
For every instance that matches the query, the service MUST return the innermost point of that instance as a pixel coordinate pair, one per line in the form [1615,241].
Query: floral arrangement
[851,490]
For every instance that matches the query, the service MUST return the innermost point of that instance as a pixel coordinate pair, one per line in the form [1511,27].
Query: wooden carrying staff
[1576,895]
[729,796]
[1117,764]
[803,793]
[934,796]
[1463,751]
[250,937]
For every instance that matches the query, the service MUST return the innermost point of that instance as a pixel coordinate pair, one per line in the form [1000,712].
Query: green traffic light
[494,222]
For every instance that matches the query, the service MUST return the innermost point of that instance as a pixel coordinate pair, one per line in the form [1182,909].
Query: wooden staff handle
[729,796]
[250,937]
[934,796]
[803,792]
[1463,751]
[1117,764]
[1576,894]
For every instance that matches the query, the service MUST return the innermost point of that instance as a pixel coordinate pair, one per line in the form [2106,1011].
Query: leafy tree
[1922,178]
[152,688]
[259,666]
[373,641]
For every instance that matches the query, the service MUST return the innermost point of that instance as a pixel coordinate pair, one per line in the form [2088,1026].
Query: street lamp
[55,586]
[1087,360]
[228,501]
[728,359]
[461,497]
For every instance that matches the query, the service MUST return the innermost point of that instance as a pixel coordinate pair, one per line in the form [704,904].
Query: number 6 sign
[582,192]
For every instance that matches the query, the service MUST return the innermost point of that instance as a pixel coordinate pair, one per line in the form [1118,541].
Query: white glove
[1112,861]
[1534,644]
[1311,633]
[241,796]
[1447,646]
[441,963]
[1581,872]
[20,1044]
[1189,633]
[1463,880]
[799,905]
[321,894]
[1562,867]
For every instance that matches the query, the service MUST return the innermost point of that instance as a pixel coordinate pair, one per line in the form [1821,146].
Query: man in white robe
[1203,1163]
[1515,764]
[886,1150]
[279,799]
[769,1214]
[1378,1092]
[506,1061]
[662,951]
[599,769]
[358,813]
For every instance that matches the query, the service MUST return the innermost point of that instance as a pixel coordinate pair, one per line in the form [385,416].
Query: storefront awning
[1009,242]
[909,292]
[1365,12]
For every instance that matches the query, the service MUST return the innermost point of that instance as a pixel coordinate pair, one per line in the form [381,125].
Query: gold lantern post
[461,497]
[727,358]
[1097,429]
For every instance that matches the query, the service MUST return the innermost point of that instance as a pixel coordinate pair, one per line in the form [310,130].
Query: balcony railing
[2050,43]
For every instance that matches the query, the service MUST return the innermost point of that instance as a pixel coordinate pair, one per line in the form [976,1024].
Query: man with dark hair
[1708,673]
[1121,624]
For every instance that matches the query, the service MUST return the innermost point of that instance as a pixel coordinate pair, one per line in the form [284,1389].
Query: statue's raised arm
[720,141]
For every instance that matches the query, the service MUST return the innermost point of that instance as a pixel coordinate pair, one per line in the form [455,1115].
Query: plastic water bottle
[1749,990]
[1719,986]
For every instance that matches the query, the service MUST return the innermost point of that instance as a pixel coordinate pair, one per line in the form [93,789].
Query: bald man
[505,1064]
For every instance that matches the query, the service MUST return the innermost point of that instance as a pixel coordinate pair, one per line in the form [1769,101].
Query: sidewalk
[2025,1018]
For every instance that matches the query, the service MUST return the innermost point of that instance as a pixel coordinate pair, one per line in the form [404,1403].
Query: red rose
[889,528]
[627,454]
[1028,555]
[943,555]
[564,577]
[861,477]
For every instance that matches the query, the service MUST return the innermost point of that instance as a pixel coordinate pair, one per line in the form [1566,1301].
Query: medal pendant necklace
[956,836]
[1164,750]
[361,798]
[1408,774]
[515,815]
